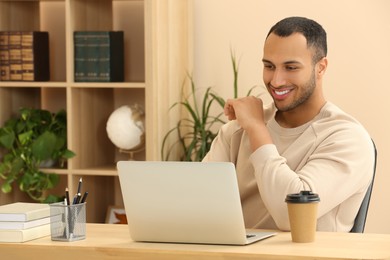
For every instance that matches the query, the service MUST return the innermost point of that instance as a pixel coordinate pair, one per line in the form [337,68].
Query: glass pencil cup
[67,222]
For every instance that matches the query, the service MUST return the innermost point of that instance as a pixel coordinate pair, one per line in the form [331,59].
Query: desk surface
[108,241]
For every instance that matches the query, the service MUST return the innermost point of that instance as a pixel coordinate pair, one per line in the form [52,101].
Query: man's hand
[248,111]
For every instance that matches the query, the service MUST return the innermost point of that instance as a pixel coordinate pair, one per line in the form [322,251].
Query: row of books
[98,56]
[22,221]
[24,56]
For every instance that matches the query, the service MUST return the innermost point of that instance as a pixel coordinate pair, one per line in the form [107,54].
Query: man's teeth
[283,92]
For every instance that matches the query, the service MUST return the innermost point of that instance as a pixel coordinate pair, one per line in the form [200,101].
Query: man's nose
[278,78]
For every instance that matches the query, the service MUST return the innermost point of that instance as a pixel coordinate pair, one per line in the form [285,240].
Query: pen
[79,187]
[78,197]
[67,196]
[84,197]
[75,199]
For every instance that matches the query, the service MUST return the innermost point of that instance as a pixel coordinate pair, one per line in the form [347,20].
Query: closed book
[15,55]
[111,61]
[35,56]
[99,56]
[23,235]
[24,211]
[4,56]
[80,45]
[7,225]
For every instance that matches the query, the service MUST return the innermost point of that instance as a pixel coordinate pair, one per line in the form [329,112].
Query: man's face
[288,72]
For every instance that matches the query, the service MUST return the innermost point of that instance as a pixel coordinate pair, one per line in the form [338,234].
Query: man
[300,142]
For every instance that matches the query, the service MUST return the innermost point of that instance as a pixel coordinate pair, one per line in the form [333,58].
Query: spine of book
[27,56]
[87,55]
[15,55]
[24,211]
[104,57]
[93,54]
[11,225]
[35,56]
[80,45]
[4,56]
[112,57]
[23,235]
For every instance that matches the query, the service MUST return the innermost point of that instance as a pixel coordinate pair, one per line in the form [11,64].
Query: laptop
[184,202]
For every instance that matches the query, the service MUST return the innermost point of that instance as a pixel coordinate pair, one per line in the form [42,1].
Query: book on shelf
[15,55]
[24,211]
[23,235]
[24,56]
[4,56]
[99,56]
[35,56]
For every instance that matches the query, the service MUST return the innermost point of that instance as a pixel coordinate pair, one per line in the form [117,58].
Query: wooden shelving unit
[149,72]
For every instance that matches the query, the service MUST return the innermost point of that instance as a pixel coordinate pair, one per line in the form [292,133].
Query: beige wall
[358,74]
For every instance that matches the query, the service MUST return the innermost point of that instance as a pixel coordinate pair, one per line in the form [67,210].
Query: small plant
[195,133]
[35,137]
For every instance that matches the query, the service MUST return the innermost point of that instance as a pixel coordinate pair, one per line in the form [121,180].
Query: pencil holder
[67,222]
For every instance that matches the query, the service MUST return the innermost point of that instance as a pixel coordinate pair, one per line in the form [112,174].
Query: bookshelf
[157,54]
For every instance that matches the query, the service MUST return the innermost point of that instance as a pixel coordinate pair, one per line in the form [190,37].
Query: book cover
[24,211]
[99,56]
[80,44]
[35,56]
[111,61]
[23,235]
[7,225]
[15,55]
[4,56]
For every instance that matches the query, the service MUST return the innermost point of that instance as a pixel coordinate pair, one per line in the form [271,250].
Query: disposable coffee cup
[302,212]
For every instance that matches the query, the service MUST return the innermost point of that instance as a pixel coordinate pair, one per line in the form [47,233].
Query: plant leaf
[44,146]
[6,187]
[7,139]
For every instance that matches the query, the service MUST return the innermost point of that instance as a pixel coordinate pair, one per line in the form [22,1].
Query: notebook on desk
[184,202]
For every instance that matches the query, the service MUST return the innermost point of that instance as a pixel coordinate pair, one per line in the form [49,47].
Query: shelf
[157,57]
[108,85]
[27,84]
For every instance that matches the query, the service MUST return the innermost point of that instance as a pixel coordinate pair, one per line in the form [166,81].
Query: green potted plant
[195,133]
[28,142]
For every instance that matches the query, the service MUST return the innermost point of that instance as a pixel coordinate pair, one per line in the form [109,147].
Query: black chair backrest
[360,220]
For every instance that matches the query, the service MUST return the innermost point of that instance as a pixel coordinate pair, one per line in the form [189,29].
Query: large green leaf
[7,139]
[43,147]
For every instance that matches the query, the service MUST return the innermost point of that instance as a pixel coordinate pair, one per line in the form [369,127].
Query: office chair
[360,220]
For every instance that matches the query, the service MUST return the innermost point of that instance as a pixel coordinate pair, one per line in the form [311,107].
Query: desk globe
[125,129]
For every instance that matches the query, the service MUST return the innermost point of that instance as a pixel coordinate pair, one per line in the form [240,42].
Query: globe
[125,128]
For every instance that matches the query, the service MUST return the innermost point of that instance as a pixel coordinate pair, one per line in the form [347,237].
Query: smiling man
[301,142]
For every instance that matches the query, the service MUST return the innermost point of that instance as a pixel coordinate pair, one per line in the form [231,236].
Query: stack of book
[98,56]
[22,221]
[24,56]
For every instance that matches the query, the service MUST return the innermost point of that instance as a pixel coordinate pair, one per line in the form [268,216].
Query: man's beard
[308,90]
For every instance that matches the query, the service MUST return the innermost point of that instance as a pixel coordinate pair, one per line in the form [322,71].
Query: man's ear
[321,66]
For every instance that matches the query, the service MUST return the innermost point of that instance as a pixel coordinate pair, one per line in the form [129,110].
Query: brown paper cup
[303,217]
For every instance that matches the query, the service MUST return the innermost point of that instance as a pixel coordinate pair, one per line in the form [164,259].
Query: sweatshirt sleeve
[220,150]
[336,167]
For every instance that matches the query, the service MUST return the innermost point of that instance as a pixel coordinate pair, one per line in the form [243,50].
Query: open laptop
[184,202]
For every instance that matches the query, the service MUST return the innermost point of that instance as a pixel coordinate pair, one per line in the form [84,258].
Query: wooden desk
[106,241]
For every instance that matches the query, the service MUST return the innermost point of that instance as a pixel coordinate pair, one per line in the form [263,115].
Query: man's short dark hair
[313,32]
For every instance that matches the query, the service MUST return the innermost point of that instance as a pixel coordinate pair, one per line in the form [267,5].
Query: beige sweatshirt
[332,155]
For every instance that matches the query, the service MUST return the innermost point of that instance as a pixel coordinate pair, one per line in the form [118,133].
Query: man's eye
[291,68]
[268,66]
